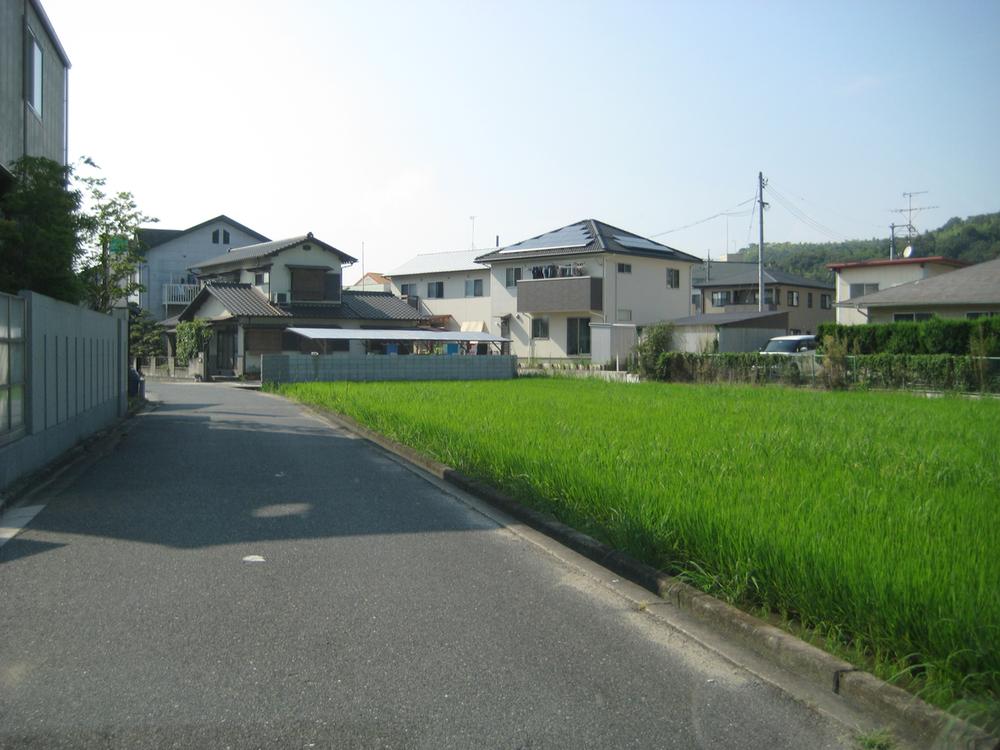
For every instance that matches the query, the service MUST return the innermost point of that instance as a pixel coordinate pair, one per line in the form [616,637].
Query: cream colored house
[861,278]
[971,292]
[732,288]
[547,291]
[449,287]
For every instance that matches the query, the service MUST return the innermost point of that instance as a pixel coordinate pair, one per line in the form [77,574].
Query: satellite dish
[908,251]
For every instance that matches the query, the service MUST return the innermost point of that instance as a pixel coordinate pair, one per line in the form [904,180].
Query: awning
[394,334]
[474,326]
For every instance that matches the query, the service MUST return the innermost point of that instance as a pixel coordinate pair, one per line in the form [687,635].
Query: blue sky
[392,123]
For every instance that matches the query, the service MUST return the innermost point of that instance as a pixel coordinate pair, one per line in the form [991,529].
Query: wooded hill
[974,240]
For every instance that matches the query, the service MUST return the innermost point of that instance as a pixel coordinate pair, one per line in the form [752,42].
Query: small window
[824,302]
[977,315]
[902,317]
[215,236]
[539,328]
[860,290]
[624,316]
[225,236]
[809,299]
[673,278]
[720,299]
[33,74]
[435,289]
[627,268]
[473,287]
[408,290]
[793,298]
[513,276]
[259,279]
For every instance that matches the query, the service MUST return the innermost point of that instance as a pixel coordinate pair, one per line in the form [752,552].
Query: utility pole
[760,246]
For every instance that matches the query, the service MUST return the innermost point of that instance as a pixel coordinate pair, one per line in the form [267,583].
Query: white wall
[170,261]
[454,302]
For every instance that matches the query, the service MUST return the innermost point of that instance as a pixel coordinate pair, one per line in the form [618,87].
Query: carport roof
[394,334]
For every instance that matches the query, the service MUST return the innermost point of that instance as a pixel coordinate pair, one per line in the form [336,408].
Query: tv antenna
[473,220]
[910,229]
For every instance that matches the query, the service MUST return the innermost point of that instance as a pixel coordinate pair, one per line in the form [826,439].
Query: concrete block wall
[301,368]
[76,381]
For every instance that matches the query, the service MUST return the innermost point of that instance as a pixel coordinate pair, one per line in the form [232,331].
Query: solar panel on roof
[638,243]
[575,235]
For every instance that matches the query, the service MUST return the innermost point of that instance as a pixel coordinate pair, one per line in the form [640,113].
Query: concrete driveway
[238,573]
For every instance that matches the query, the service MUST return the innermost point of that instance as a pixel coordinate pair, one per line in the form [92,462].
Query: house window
[539,328]
[215,236]
[225,236]
[308,284]
[721,299]
[745,297]
[809,299]
[331,287]
[259,278]
[907,317]
[860,290]
[624,316]
[578,336]
[793,298]
[771,296]
[627,268]
[673,278]
[435,289]
[33,74]
[977,315]
[408,290]
[824,302]
[473,287]
[513,276]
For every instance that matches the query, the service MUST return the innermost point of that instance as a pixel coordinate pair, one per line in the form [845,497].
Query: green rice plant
[871,517]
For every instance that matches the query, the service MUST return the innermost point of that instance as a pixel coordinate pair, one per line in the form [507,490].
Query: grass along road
[870,518]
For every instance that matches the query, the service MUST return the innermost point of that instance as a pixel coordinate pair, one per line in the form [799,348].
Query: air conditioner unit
[280,297]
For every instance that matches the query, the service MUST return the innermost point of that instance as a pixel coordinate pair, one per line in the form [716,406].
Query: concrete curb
[909,716]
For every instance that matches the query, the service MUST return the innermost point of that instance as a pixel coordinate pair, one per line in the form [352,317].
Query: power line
[727,212]
[803,217]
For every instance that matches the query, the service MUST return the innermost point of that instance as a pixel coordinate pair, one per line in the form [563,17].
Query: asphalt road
[386,612]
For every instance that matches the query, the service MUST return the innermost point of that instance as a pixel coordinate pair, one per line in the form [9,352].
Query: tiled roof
[735,273]
[358,305]
[265,249]
[238,299]
[444,262]
[973,285]
[584,238]
[938,259]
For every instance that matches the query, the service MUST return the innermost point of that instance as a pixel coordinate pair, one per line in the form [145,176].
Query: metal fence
[12,367]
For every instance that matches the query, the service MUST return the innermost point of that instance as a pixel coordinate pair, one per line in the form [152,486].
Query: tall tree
[113,252]
[39,230]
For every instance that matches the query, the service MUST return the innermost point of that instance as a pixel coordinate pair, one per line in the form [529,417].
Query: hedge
[934,336]
[899,371]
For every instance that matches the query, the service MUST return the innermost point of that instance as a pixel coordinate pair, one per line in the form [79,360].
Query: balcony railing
[179,294]
[566,294]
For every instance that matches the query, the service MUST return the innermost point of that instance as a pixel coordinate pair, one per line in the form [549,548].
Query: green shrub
[657,339]
[192,336]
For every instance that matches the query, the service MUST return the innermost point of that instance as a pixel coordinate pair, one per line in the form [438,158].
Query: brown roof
[939,259]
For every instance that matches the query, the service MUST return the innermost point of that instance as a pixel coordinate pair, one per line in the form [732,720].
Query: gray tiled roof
[238,299]
[265,249]
[735,274]
[972,285]
[358,305]
[585,238]
[444,262]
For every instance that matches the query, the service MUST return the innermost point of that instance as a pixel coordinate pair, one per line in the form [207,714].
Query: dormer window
[216,234]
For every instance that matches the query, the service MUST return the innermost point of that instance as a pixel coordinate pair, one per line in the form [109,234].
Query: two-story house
[860,278]
[34,76]
[168,254]
[732,287]
[451,288]
[252,294]
[584,290]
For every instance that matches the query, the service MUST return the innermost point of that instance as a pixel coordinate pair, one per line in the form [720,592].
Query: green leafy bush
[934,336]
[656,339]
[192,336]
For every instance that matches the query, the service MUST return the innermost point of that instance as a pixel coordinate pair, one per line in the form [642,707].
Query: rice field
[872,518]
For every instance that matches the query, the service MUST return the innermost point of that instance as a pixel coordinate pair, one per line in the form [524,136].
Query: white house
[169,285]
[860,278]
[451,288]
[573,292]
